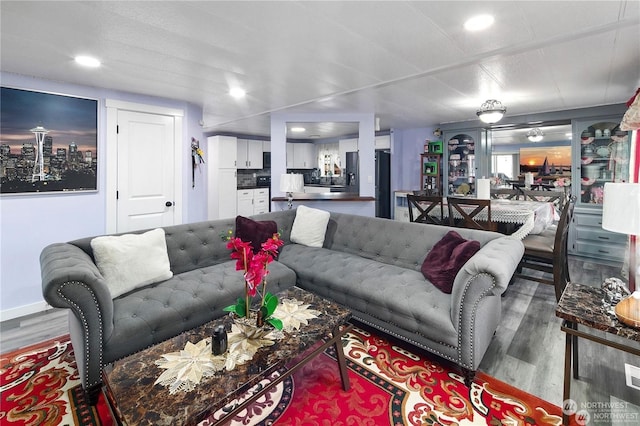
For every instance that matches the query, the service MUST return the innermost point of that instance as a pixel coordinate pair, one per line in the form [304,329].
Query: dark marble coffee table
[135,400]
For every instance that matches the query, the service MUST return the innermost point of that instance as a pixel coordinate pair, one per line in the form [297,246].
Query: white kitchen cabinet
[301,156]
[304,156]
[226,153]
[227,182]
[266,146]
[290,155]
[245,202]
[249,154]
[347,145]
[261,201]
[253,201]
[382,142]
[221,177]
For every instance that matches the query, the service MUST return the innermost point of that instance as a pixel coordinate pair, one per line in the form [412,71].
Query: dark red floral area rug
[390,385]
[39,385]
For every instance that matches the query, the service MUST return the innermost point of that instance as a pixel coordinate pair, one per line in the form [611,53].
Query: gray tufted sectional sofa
[369,265]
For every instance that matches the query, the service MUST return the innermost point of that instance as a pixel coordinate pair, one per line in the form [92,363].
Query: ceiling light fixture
[535,134]
[478,23]
[87,61]
[237,92]
[298,129]
[491,111]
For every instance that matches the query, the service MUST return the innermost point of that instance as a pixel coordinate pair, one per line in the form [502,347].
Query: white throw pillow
[309,226]
[132,260]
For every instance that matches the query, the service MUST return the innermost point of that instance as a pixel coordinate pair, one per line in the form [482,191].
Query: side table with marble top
[581,305]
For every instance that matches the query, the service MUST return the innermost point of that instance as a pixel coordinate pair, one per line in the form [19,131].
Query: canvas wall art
[546,161]
[48,142]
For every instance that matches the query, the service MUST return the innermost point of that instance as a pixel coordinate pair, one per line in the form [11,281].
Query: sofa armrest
[70,279]
[475,297]
[498,258]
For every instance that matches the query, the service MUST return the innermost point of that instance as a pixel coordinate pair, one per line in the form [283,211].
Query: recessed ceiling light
[237,92]
[87,61]
[478,23]
[298,129]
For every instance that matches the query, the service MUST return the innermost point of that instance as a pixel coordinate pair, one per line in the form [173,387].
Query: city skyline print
[48,142]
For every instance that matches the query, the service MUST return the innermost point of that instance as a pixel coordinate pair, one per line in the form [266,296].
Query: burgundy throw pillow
[255,231]
[446,258]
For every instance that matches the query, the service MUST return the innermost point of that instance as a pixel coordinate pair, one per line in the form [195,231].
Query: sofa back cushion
[404,244]
[189,246]
[200,244]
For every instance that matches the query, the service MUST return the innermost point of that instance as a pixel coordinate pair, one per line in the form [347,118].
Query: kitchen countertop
[252,187]
[325,185]
[316,185]
[329,196]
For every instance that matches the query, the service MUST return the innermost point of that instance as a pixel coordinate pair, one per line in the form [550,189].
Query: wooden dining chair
[543,187]
[558,198]
[515,184]
[429,209]
[504,193]
[468,209]
[547,252]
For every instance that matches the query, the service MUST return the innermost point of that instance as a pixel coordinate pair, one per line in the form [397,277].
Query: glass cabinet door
[461,167]
[604,157]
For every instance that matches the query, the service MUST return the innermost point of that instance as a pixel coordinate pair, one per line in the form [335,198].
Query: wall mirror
[325,153]
[541,148]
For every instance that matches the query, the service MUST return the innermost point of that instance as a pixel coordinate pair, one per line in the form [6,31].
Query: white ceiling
[411,63]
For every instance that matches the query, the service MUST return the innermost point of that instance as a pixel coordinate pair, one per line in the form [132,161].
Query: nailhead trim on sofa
[85,326]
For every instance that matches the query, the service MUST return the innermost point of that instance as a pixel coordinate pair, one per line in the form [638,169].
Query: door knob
[168,204]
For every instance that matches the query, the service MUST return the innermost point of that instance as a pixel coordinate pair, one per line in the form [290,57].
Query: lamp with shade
[291,183]
[621,213]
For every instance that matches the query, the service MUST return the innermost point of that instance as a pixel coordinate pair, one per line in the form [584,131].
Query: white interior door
[146,172]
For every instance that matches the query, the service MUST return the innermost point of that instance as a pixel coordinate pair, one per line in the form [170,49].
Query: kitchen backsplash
[247,178]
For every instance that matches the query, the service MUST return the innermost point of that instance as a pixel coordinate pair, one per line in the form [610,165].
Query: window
[504,165]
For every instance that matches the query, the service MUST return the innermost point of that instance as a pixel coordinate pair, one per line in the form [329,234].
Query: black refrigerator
[383,184]
[352,172]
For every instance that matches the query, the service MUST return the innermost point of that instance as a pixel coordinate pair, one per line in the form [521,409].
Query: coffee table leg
[342,363]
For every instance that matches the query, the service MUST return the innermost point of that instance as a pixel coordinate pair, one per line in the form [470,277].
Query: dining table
[530,217]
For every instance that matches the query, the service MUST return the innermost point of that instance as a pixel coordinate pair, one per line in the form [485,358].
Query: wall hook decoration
[196,158]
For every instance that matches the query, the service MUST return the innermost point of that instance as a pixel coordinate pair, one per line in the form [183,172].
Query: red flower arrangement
[255,267]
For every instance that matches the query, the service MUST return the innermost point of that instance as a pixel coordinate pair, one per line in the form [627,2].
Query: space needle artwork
[48,142]
[38,167]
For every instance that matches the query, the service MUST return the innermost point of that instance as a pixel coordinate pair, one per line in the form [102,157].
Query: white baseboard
[21,311]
